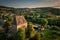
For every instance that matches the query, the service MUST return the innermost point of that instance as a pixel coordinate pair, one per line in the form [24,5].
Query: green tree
[30,30]
[2,35]
[37,36]
[10,20]
[21,34]
[48,35]
[5,26]
[43,21]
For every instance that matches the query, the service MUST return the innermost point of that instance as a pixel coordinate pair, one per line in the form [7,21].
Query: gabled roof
[19,20]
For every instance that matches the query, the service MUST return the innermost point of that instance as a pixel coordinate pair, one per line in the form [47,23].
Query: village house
[18,22]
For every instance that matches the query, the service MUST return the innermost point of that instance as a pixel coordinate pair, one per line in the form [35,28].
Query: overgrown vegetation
[46,17]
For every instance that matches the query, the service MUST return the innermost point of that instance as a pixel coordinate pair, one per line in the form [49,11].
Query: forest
[48,18]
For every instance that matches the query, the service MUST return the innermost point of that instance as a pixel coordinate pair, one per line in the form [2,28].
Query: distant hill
[57,6]
[4,9]
[55,11]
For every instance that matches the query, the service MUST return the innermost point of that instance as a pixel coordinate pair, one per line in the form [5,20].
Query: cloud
[30,3]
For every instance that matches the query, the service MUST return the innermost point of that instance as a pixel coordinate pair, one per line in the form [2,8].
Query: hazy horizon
[30,3]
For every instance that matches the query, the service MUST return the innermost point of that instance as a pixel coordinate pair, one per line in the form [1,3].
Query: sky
[30,3]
